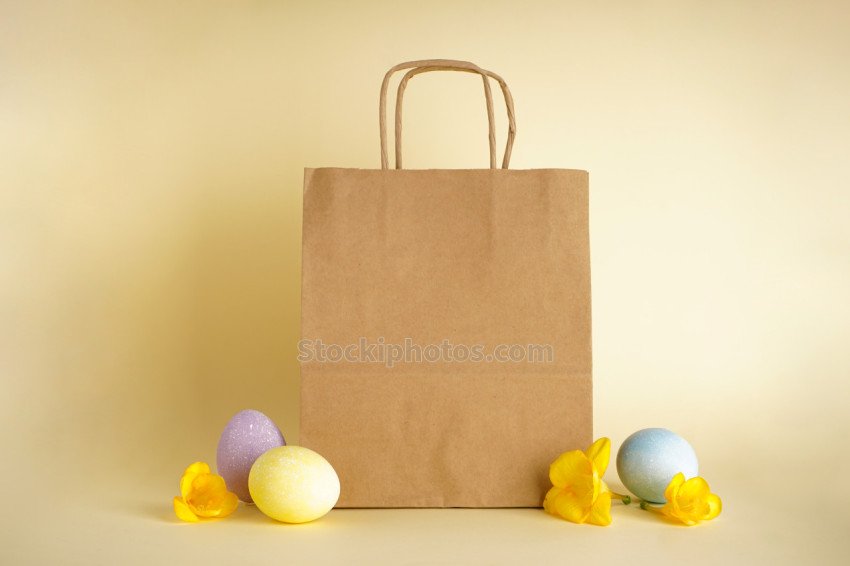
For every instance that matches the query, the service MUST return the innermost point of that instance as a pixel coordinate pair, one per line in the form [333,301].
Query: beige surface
[151,159]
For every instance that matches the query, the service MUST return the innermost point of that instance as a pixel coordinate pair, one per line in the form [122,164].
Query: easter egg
[247,435]
[293,484]
[648,460]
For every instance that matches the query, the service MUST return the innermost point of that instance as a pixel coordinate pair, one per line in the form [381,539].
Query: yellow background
[151,159]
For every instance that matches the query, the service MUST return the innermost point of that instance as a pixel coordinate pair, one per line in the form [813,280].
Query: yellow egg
[293,484]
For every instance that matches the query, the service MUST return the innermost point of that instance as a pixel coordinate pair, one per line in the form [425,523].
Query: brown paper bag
[408,276]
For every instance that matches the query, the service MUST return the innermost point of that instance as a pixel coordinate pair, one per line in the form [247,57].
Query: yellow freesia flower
[689,501]
[203,495]
[578,493]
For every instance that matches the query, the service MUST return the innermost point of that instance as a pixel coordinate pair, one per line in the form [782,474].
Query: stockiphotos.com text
[388,353]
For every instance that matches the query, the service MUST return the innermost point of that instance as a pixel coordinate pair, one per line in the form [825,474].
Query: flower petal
[565,505]
[694,488]
[600,513]
[228,505]
[570,468]
[208,494]
[594,487]
[189,476]
[714,507]
[673,487]
[692,498]
[547,501]
[685,519]
[600,453]
[183,512]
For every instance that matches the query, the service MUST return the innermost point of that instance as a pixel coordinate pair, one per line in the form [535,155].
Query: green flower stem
[626,499]
[646,506]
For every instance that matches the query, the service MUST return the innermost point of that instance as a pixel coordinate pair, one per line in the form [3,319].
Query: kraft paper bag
[446,352]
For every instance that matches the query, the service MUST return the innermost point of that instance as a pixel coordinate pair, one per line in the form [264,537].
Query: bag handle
[488,96]
[428,65]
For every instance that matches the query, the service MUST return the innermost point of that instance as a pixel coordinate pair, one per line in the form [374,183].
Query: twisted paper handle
[428,65]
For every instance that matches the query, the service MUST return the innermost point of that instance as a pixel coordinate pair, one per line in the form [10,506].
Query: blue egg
[648,460]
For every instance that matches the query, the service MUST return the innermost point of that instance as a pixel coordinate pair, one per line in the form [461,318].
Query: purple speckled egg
[246,437]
